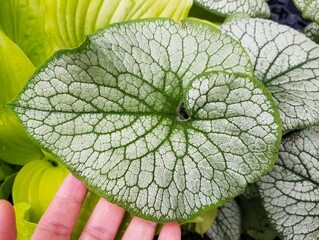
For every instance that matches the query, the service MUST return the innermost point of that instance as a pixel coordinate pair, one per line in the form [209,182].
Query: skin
[58,222]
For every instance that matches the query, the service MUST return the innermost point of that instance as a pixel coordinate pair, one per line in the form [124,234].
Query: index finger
[59,219]
[7,219]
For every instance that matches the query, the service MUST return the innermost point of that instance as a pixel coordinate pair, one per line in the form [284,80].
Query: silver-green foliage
[158,117]
[290,191]
[309,9]
[312,31]
[287,63]
[227,225]
[254,8]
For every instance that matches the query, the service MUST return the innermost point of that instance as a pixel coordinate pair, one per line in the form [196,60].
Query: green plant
[166,119]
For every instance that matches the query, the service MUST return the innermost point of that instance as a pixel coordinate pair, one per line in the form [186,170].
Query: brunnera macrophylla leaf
[290,191]
[312,31]
[254,8]
[132,116]
[227,225]
[69,22]
[287,63]
[309,9]
[15,69]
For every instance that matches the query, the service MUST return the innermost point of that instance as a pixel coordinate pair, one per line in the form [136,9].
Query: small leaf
[36,184]
[15,69]
[287,62]
[227,224]
[131,115]
[290,191]
[254,8]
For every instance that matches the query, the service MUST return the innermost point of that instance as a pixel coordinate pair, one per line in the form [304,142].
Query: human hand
[59,219]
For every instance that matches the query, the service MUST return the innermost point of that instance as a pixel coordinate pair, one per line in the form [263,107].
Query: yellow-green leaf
[15,70]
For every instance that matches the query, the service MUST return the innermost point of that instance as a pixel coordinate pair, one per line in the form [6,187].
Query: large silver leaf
[287,62]
[291,191]
[131,114]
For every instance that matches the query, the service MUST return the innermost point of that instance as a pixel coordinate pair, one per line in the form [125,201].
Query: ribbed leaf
[287,62]
[131,114]
[15,69]
[312,32]
[254,8]
[69,22]
[227,224]
[290,191]
[23,21]
[36,184]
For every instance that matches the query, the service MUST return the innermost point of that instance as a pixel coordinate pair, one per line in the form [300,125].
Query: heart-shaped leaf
[290,192]
[254,8]
[131,115]
[287,62]
[227,224]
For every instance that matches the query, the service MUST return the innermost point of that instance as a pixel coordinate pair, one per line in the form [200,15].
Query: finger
[59,219]
[7,221]
[170,231]
[104,221]
[140,229]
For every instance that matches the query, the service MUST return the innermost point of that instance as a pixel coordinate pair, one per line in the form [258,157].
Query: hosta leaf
[36,184]
[287,62]
[255,8]
[227,224]
[290,192]
[69,22]
[25,227]
[312,31]
[126,115]
[40,27]
[23,21]
[15,69]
